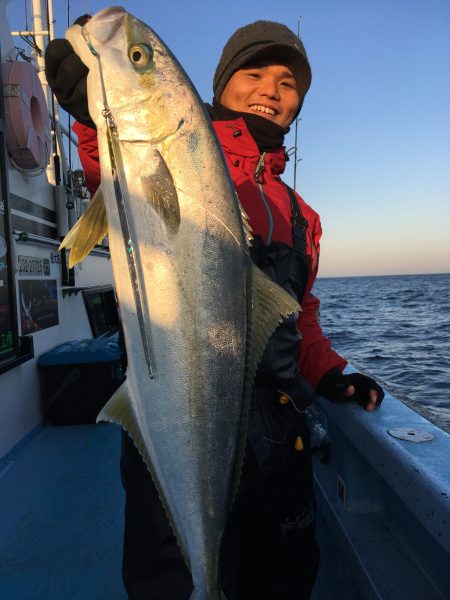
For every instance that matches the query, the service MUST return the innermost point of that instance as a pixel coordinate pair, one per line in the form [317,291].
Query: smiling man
[269,548]
[270,551]
[264,88]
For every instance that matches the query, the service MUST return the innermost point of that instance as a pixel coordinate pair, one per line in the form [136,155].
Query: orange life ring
[27,122]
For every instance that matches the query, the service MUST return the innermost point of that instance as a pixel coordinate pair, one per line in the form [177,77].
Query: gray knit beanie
[259,40]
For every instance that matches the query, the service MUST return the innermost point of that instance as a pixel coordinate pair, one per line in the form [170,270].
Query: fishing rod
[117,170]
[296,124]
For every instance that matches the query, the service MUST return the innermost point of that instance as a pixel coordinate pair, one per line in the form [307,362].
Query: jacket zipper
[260,168]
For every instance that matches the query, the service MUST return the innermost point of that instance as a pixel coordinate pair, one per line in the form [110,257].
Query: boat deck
[61,524]
[61,519]
[61,515]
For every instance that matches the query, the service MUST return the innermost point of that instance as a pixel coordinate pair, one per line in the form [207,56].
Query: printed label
[30,265]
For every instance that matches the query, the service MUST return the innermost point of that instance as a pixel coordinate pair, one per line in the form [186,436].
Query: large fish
[196,313]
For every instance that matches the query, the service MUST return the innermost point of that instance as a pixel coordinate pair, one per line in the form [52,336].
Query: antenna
[296,124]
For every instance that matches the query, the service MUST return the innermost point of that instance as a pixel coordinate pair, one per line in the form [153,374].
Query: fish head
[131,73]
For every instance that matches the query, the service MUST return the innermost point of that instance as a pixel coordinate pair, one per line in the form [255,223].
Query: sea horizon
[383,275]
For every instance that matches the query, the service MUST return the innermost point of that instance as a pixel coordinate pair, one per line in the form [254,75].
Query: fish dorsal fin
[270,303]
[89,230]
[118,410]
[248,232]
[247,228]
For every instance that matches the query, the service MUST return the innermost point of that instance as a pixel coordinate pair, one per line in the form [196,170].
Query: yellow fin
[89,230]
[117,409]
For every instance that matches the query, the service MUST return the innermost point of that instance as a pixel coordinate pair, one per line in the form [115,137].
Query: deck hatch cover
[411,434]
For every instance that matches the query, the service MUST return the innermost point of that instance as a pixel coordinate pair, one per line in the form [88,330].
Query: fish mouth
[111,13]
[104,24]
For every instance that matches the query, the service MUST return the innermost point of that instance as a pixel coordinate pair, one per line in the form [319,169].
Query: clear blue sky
[374,138]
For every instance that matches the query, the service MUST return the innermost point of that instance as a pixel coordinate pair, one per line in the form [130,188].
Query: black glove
[333,384]
[67,75]
[297,390]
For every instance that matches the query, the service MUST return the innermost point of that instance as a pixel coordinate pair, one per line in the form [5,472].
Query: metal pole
[36,11]
[59,154]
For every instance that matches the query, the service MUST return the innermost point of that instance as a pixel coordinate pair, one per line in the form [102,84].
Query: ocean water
[396,328]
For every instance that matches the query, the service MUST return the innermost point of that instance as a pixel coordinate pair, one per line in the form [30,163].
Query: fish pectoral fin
[89,230]
[159,190]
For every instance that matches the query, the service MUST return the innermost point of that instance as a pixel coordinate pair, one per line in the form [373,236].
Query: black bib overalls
[271,526]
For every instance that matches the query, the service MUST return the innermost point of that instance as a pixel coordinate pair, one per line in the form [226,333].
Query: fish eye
[140,55]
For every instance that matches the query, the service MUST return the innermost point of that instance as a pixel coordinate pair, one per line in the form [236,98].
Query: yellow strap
[298,444]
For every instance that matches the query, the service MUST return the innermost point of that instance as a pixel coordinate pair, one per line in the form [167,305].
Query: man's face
[266,89]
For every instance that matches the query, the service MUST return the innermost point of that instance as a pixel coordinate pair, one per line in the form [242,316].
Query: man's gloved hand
[362,389]
[66,75]
[298,391]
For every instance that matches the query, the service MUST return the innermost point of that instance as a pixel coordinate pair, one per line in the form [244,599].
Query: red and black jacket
[266,201]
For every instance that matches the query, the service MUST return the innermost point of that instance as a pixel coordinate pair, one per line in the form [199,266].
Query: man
[269,548]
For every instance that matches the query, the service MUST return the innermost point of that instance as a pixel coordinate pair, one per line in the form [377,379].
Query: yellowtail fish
[196,312]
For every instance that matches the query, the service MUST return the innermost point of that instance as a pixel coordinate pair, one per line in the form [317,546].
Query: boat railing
[383,487]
